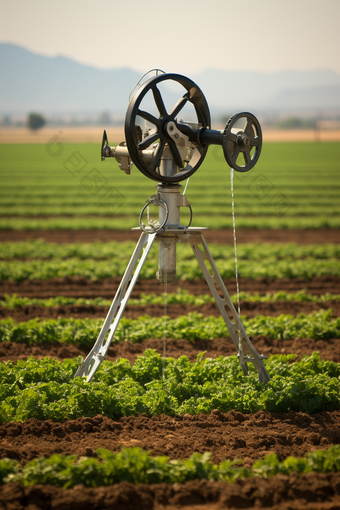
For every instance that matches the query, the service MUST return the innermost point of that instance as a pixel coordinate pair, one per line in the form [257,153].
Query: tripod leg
[97,354]
[246,351]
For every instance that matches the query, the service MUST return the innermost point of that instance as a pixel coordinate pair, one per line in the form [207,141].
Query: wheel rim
[247,141]
[192,95]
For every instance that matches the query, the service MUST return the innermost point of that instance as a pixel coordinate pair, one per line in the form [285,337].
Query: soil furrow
[248,308]
[84,288]
[328,349]
[231,435]
[313,491]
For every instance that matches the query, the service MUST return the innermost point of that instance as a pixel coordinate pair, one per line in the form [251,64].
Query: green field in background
[294,185]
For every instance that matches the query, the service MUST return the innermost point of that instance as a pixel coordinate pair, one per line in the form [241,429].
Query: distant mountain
[58,85]
[285,90]
[323,98]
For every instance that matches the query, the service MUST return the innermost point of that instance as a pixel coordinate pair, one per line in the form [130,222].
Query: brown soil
[225,236]
[328,349]
[248,308]
[313,491]
[229,435]
[84,288]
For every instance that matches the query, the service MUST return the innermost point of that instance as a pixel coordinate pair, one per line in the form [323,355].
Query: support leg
[246,351]
[97,354]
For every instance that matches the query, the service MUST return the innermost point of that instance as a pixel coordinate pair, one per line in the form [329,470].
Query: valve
[246,142]
[120,153]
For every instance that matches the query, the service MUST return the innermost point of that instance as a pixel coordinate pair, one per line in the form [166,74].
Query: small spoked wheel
[242,141]
[159,141]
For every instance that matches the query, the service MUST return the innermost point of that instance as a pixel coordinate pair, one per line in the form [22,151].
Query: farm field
[66,187]
[65,243]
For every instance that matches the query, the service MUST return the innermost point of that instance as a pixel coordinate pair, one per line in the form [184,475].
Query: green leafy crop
[192,327]
[186,269]
[137,466]
[180,297]
[46,389]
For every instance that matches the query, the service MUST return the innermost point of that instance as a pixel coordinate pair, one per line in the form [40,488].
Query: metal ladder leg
[246,351]
[97,354]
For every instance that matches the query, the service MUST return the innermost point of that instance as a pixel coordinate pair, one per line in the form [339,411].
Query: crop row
[61,196]
[57,193]
[60,192]
[179,297]
[137,466]
[102,209]
[117,222]
[39,249]
[192,327]
[46,388]
[186,269]
[97,209]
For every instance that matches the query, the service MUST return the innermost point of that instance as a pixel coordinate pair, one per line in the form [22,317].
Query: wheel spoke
[144,144]
[159,101]
[175,153]
[157,156]
[147,116]
[247,158]
[249,127]
[235,154]
[178,106]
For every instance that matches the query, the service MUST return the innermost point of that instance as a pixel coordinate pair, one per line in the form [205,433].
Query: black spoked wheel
[159,138]
[242,141]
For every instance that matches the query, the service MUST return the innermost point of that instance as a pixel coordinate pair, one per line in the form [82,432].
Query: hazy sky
[179,36]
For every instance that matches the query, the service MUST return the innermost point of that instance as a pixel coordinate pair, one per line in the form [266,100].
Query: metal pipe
[203,136]
[170,193]
[211,137]
[167,260]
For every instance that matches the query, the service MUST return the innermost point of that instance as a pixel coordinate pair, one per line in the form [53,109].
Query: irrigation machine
[169,150]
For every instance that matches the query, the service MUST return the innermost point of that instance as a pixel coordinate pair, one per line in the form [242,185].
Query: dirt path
[225,236]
